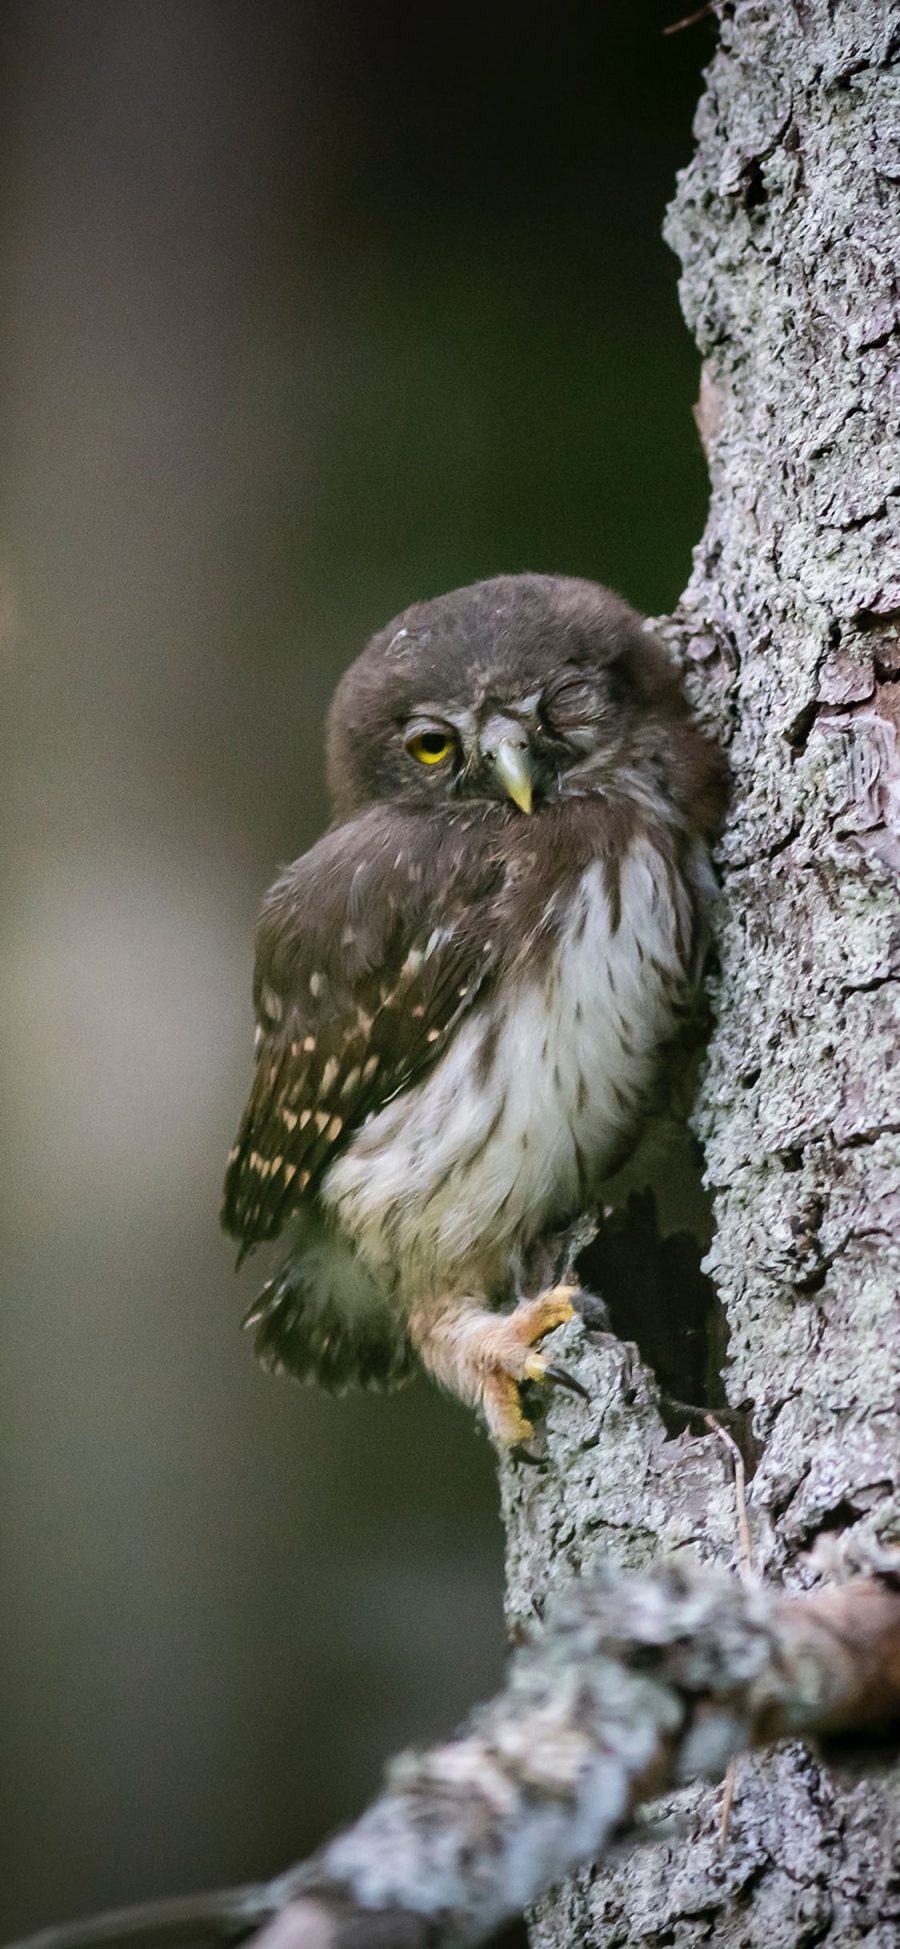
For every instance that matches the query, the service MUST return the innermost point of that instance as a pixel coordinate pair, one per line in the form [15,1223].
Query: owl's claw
[519,1453]
[517,1334]
[559,1377]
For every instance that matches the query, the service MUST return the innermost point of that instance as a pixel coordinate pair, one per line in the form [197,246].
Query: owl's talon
[514,1337]
[519,1453]
[560,1378]
[538,1369]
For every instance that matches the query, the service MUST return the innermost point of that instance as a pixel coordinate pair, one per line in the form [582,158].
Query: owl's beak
[513,768]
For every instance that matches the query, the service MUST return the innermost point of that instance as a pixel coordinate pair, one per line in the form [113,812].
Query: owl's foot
[514,1361]
[486,1357]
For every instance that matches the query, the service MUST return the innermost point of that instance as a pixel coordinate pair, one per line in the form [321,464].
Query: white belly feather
[456,1169]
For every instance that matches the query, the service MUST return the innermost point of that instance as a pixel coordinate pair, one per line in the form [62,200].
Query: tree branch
[634,1686]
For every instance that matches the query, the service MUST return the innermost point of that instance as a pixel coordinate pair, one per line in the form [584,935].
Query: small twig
[690,20]
[226,1915]
[746,1566]
[694,1412]
[728,1787]
[747,1573]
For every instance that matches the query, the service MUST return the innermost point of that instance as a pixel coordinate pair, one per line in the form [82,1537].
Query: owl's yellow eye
[429,747]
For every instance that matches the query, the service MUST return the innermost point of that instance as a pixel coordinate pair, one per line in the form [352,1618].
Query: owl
[464,991]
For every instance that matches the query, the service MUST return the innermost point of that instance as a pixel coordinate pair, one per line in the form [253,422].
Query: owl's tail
[322,1319]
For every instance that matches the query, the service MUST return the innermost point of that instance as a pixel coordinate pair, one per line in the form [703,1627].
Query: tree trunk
[786,223]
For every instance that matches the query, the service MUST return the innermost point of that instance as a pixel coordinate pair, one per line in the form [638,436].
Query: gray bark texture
[787,224]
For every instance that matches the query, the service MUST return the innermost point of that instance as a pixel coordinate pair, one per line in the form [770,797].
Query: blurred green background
[309,310]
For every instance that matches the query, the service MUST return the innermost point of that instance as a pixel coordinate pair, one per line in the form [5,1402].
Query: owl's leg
[485,1357]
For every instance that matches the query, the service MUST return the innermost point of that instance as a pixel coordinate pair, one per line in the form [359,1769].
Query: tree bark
[787,226]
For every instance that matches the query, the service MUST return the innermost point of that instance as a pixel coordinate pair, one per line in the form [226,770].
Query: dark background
[308,310]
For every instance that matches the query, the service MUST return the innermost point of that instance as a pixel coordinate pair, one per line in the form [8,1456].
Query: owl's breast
[517,1124]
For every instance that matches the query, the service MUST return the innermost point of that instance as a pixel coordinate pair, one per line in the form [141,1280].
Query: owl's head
[514,692]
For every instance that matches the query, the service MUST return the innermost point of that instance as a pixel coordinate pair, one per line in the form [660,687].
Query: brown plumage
[460,1007]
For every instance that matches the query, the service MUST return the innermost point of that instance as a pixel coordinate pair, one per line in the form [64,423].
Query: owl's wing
[370,949]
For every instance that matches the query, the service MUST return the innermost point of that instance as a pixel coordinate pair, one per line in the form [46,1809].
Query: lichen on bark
[786,223]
